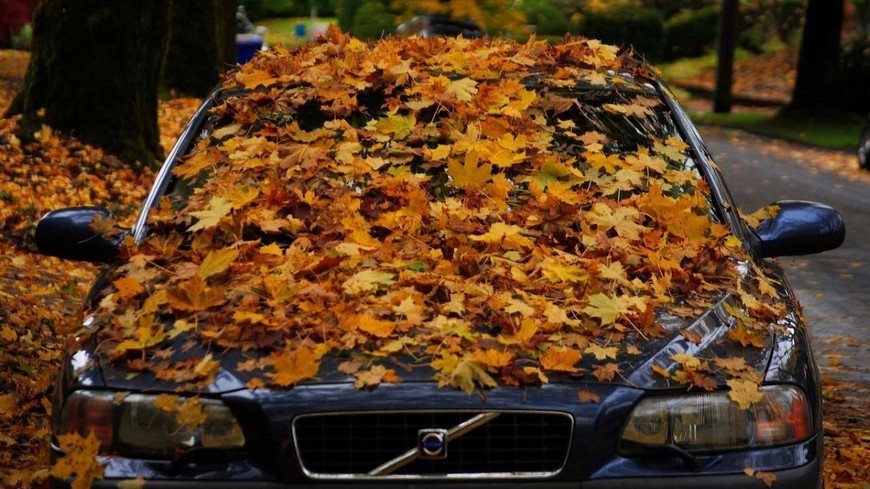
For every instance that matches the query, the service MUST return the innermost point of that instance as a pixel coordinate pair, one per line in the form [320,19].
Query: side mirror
[80,233]
[800,228]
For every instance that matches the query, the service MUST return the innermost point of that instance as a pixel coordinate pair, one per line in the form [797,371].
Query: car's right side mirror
[799,228]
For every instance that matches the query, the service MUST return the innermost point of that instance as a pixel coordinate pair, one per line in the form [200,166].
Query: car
[433,25]
[441,262]
[250,38]
[864,146]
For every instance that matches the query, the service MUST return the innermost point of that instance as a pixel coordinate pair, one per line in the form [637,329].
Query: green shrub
[690,33]
[640,28]
[547,19]
[763,22]
[345,10]
[253,9]
[669,8]
[23,39]
[286,8]
[372,20]
[855,75]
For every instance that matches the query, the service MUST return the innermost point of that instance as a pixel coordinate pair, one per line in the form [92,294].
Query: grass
[839,131]
[690,67]
[283,30]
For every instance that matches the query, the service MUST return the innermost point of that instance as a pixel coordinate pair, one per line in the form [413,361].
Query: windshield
[611,124]
[485,207]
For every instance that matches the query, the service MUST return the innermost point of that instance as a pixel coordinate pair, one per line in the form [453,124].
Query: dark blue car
[641,428]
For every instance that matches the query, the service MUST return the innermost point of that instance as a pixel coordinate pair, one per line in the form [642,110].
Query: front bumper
[807,477]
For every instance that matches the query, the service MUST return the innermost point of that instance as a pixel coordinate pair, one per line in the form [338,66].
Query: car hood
[708,334]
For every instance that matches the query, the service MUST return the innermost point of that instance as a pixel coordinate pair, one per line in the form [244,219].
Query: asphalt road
[834,287]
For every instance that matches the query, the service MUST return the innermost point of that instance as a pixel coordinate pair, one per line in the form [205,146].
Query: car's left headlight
[136,425]
[709,422]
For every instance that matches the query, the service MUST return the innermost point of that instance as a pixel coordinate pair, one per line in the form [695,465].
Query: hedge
[690,33]
[641,28]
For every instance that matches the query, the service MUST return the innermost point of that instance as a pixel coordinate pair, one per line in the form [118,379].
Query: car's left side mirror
[799,228]
[80,233]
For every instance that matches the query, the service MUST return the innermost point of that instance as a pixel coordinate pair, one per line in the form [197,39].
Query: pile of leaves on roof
[447,202]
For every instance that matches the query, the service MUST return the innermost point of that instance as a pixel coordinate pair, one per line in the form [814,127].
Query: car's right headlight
[710,422]
[135,425]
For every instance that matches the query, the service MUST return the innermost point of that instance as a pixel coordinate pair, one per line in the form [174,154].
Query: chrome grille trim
[461,430]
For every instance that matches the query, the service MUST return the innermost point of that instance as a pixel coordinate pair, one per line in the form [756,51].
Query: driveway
[834,287]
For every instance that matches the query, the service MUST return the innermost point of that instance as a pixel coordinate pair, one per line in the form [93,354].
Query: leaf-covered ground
[39,296]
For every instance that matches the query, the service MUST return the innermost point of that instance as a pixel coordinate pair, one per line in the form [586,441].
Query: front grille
[534,444]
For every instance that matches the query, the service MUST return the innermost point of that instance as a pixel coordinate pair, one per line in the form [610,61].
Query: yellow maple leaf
[601,352]
[492,357]
[463,89]
[194,295]
[195,163]
[622,220]
[79,459]
[440,152]
[508,235]
[254,78]
[744,392]
[217,261]
[218,207]
[463,374]
[367,281]
[555,270]
[469,175]
[608,309]
[374,326]
[190,413]
[293,366]
[241,196]
[395,125]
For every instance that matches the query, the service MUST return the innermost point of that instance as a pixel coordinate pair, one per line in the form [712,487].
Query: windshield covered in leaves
[422,198]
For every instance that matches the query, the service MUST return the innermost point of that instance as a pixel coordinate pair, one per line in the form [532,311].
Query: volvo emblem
[432,443]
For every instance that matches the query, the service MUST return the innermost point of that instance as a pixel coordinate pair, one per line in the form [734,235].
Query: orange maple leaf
[560,360]
[293,366]
[194,295]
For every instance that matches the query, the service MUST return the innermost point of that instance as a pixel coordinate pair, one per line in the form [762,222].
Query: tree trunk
[191,64]
[94,68]
[816,86]
[226,33]
[726,45]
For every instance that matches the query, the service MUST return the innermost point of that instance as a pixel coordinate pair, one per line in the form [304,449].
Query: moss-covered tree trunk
[94,68]
[191,66]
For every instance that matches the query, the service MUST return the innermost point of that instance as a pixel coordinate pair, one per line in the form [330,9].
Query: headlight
[135,425]
[711,422]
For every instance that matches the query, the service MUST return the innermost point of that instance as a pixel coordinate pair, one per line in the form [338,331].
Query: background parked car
[439,26]
[249,37]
